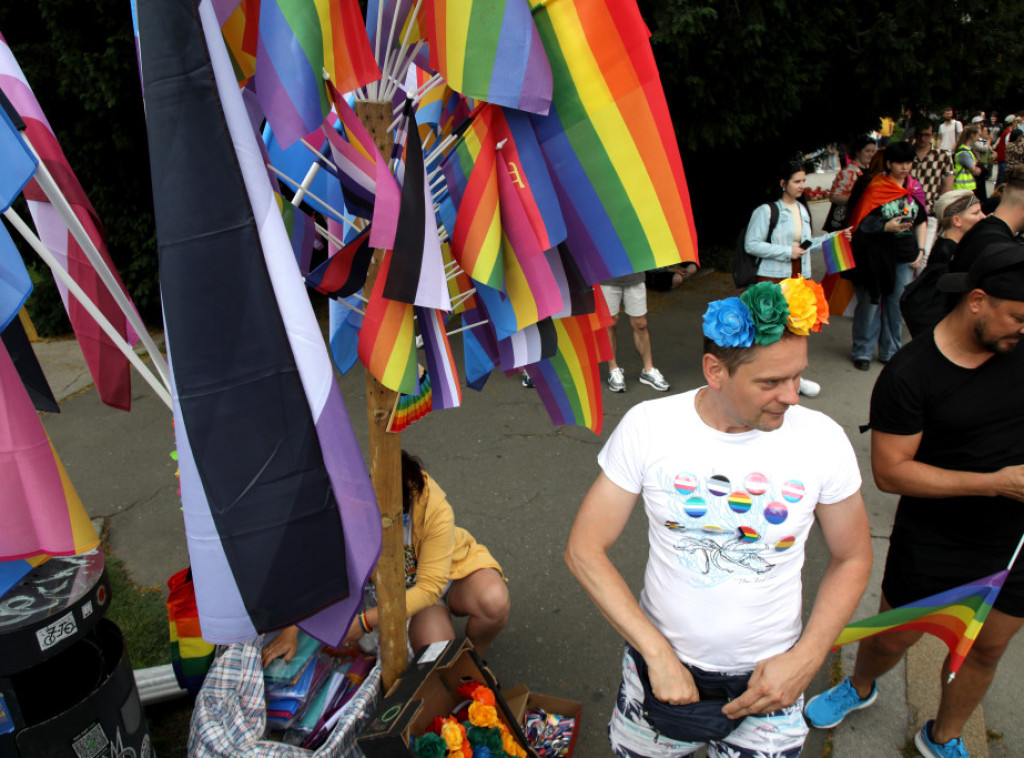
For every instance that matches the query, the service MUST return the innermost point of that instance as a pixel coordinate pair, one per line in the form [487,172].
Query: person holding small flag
[945,436]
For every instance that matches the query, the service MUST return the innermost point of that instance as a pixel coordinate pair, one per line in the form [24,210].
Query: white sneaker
[653,378]
[616,380]
[809,388]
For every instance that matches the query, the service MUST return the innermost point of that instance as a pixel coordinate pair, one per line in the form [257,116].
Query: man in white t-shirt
[732,476]
[949,131]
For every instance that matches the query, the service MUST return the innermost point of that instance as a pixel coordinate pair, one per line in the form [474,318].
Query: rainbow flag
[387,345]
[954,616]
[569,383]
[841,295]
[241,32]
[609,141]
[411,408]
[470,171]
[42,510]
[490,50]
[407,27]
[838,253]
[298,41]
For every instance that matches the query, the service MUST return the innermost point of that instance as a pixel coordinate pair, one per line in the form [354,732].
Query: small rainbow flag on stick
[838,253]
[954,616]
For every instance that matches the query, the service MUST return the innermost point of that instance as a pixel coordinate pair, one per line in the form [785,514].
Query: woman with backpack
[785,247]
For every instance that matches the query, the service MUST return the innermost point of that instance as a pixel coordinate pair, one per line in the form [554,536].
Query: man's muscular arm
[777,682]
[896,471]
[600,521]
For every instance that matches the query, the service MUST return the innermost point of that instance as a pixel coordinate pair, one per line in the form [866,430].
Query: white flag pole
[76,290]
[74,225]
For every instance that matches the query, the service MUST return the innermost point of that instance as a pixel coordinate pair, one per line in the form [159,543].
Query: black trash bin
[67,688]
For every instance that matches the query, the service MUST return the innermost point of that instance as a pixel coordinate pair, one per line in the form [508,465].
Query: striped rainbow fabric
[240,30]
[838,253]
[954,616]
[387,344]
[609,141]
[297,43]
[490,50]
[440,362]
[471,174]
[411,408]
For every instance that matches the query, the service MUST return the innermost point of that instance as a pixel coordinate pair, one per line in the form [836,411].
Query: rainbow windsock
[954,616]
[490,50]
[838,253]
[610,142]
[411,408]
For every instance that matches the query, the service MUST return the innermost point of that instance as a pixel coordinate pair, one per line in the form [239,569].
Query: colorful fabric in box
[191,655]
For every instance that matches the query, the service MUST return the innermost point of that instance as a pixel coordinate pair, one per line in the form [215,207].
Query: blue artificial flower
[727,323]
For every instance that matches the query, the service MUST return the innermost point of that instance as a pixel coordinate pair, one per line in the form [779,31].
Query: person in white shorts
[629,293]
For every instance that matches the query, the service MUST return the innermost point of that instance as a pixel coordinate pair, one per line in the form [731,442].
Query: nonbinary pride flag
[279,510]
[954,616]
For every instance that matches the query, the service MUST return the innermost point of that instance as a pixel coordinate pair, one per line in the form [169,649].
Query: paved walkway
[515,482]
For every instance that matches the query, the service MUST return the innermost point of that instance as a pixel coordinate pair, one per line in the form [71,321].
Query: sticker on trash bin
[6,722]
[433,652]
[90,743]
[86,609]
[59,630]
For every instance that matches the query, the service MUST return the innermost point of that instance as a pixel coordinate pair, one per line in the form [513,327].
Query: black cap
[999,272]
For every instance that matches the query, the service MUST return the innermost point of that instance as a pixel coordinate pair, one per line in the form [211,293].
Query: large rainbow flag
[489,50]
[609,141]
[954,616]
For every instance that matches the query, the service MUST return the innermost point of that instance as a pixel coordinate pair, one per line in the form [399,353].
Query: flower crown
[759,315]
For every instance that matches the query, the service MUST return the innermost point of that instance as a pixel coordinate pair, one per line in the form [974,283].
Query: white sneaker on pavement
[809,388]
[616,380]
[653,378]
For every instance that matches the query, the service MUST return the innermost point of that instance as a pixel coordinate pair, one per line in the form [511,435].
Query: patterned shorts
[780,734]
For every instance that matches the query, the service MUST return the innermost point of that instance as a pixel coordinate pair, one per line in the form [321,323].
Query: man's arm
[896,471]
[600,521]
[777,682]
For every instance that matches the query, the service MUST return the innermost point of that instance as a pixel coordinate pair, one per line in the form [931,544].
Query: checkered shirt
[929,172]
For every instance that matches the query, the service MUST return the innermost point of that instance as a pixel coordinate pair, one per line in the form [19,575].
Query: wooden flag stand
[385,462]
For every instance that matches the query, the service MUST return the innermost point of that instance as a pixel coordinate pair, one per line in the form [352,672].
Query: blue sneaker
[924,744]
[826,710]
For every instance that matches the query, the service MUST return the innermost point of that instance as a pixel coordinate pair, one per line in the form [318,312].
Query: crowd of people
[716,655]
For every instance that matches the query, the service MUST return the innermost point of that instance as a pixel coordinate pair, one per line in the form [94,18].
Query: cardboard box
[520,700]
[428,689]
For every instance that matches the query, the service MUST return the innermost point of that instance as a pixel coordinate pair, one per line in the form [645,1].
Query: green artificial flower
[484,736]
[430,745]
[769,311]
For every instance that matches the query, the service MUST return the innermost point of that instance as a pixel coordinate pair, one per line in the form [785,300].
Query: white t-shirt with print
[728,516]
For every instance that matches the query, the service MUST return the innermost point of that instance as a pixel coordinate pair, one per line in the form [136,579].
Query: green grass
[142,616]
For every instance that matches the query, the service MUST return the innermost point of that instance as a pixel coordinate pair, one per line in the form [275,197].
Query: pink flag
[107,364]
[42,512]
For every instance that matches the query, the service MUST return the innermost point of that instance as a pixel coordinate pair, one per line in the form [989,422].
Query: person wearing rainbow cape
[732,475]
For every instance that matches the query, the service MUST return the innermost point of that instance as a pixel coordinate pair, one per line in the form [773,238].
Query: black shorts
[914,571]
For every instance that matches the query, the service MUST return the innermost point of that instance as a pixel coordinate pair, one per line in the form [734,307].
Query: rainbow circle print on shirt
[739,502]
[747,534]
[685,483]
[695,507]
[756,483]
[793,491]
[784,544]
[719,485]
[775,513]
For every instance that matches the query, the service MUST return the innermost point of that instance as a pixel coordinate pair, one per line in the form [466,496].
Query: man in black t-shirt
[946,420]
[1005,223]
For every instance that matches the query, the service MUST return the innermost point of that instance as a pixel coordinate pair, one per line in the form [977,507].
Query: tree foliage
[79,58]
[750,84]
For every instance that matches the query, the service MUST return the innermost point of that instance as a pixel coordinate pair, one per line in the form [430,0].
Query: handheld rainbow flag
[954,616]
[838,253]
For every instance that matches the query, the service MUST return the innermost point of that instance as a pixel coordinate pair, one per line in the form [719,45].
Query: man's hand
[671,682]
[1010,482]
[777,682]
[286,643]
